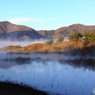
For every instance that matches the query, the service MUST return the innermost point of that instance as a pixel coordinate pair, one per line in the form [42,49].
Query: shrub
[49,42]
[61,39]
[89,37]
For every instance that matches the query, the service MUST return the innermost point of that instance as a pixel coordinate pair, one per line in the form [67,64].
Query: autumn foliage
[79,43]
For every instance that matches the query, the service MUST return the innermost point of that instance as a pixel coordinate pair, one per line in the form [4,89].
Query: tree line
[86,37]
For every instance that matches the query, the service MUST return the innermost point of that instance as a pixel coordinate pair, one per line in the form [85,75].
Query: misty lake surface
[50,72]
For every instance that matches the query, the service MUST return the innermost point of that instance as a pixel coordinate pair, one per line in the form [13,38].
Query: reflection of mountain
[66,31]
[18,32]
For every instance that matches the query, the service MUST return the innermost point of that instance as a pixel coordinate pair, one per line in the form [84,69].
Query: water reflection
[56,73]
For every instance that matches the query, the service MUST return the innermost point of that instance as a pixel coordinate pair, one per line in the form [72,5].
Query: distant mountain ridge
[9,31]
[66,31]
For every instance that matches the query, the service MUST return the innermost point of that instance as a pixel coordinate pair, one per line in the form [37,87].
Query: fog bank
[21,43]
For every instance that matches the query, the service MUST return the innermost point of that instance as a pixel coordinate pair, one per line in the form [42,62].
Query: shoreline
[8,88]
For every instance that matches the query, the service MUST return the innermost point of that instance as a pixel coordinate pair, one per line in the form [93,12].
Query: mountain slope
[66,31]
[11,31]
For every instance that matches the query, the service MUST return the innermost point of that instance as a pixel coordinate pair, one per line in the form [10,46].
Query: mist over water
[52,72]
[21,43]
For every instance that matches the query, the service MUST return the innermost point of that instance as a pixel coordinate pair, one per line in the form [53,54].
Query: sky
[48,14]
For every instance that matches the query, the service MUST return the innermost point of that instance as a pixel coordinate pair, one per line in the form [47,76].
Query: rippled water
[55,73]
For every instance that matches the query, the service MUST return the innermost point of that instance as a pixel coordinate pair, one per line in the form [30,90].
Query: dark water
[55,73]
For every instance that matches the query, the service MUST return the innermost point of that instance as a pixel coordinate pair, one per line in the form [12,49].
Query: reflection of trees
[86,63]
[17,58]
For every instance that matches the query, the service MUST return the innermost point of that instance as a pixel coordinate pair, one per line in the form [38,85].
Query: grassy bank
[63,47]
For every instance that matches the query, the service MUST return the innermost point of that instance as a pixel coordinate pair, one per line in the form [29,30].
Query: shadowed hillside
[9,31]
[7,27]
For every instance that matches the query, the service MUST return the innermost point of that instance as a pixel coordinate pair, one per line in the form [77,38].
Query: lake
[51,72]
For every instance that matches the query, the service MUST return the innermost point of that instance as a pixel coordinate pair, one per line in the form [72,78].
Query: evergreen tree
[49,42]
[75,37]
[61,39]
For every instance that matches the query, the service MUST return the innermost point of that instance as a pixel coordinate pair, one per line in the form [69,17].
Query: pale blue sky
[48,14]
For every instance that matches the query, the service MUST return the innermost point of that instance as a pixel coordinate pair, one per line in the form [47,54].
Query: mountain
[66,31]
[9,31]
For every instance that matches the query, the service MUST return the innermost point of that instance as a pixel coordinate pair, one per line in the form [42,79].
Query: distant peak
[5,22]
[76,25]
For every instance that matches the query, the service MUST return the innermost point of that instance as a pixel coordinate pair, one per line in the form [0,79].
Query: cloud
[18,20]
